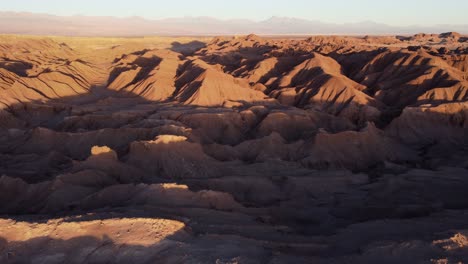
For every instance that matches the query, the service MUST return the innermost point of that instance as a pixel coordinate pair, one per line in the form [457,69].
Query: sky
[392,12]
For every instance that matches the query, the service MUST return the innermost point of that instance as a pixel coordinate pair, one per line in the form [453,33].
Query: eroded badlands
[234,150]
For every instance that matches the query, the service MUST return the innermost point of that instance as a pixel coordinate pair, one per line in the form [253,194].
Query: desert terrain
[245,149]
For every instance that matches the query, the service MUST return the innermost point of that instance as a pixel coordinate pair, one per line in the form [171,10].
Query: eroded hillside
[234,150]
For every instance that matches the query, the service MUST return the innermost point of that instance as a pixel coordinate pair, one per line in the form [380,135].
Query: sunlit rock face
[234,150]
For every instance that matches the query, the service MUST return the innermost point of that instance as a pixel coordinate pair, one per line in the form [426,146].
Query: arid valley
[245,149]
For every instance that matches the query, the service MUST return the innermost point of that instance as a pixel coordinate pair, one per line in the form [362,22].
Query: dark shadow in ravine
[187,49]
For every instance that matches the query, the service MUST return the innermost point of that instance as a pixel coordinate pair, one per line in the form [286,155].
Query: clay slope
[412,77]
[151,75]
[416,125]
[43,70]
[202,84]
[368,147]
[319,84]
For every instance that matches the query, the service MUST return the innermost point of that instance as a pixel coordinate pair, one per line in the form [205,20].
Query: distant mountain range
[43,24]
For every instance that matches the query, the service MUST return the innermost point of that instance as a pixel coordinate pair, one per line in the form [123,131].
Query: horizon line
[229,19]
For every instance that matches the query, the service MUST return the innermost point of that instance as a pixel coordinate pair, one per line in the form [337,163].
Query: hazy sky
[394,12]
